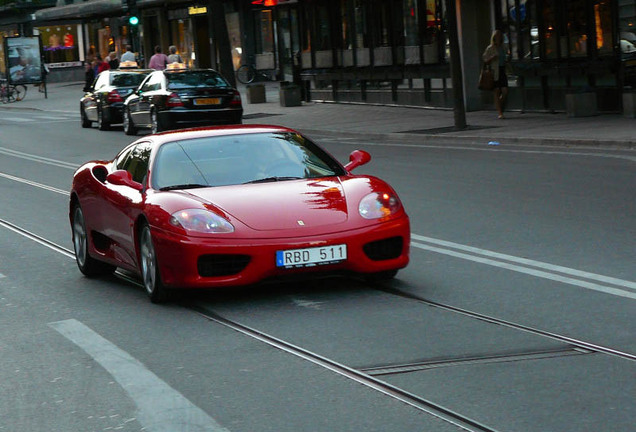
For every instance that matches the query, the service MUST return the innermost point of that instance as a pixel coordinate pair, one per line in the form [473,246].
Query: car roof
[212,131]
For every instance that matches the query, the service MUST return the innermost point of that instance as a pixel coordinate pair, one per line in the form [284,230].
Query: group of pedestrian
[95,64]
[159,61]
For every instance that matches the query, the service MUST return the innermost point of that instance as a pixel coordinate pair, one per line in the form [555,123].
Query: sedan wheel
[155,126]
[87,264]
[102,124]
[150,268]
[129,127]
[86,123]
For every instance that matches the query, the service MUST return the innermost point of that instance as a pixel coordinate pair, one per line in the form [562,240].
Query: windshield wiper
[272,179]
[183,186]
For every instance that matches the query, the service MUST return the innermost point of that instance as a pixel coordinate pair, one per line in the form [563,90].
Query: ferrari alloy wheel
[102,124]
[129,127]
[87,264]
[86,123]
[155,125]
[150,268]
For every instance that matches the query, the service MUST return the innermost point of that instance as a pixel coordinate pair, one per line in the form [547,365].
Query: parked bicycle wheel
[19,92]
[246,74]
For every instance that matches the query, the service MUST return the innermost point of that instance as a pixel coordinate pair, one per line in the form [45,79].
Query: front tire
[150,267]
[88,265]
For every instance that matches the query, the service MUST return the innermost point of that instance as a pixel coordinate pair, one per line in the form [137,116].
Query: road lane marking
[160,407]
[36,158]
[36,184]
[487,258]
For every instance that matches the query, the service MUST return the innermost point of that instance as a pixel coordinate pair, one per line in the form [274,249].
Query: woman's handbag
[486,78]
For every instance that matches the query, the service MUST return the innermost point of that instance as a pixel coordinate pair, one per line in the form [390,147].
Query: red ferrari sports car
[235,205]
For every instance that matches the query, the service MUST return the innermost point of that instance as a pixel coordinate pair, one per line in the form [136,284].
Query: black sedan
[104,99]
[176,98]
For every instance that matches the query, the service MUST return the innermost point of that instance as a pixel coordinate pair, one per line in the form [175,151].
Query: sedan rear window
[127,79]
[195,79]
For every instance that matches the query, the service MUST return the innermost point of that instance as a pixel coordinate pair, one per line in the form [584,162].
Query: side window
[153,82]
[102,80]
[120,160]
[136,161]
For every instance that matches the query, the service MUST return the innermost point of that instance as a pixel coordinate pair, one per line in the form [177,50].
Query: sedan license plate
[311,257]
[207,101]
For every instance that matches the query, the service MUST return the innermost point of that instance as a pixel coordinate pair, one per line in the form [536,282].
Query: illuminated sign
[197,10]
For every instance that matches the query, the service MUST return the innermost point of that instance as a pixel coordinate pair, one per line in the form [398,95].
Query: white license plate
[207,101]
[310,257]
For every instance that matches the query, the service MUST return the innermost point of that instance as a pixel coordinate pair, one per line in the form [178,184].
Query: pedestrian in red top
[159,60]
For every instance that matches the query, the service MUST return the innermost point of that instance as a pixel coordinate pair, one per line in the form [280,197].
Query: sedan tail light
[174,101]
[236,99]
[114,96]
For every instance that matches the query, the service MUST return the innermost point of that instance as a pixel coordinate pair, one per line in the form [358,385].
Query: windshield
[239,159]
[195,79]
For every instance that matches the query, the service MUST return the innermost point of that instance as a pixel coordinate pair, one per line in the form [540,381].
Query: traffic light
[130,7]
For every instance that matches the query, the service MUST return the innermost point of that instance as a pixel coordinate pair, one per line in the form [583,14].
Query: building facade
[366,51]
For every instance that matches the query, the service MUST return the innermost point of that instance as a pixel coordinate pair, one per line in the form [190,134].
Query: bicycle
[246,74]
[11,93]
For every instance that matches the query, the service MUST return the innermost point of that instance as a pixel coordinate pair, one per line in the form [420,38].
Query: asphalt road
[515,314]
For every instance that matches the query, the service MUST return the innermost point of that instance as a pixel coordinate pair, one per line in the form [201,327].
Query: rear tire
[86,123]
[150,267]
[155,123]
[88,265]
[129,127]
[102,124]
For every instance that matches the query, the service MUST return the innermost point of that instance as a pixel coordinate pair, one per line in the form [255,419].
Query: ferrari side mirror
[357,158]
[123,178]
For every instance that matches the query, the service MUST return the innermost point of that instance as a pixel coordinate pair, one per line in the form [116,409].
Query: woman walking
[495,56]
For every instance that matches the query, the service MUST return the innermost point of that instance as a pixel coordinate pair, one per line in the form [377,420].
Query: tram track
[370,377]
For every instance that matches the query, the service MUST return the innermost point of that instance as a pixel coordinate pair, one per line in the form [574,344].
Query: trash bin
[289,94]
[256,93]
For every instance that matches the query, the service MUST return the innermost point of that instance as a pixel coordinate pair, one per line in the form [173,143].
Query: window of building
[557,30]
[264,31]
[60,43]
[362,39]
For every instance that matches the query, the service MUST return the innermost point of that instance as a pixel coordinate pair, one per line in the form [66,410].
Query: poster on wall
[23,59]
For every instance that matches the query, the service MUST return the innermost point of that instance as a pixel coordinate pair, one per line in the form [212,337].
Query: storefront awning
[88,9]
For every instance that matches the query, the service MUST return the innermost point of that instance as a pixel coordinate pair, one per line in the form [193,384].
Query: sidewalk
[416,125]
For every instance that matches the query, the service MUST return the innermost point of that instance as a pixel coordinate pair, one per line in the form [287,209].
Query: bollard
[256,93]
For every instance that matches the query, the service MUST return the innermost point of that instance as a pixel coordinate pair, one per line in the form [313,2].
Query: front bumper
[179,256]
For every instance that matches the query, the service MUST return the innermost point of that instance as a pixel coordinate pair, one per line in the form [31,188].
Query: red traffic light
[266,3]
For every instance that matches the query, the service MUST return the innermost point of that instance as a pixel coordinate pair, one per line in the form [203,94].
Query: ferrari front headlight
[379,205]
[201,221]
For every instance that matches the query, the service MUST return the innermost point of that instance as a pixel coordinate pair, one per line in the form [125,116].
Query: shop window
[362,40]
[59,43]
[521,29]
[323,32]
[264,31]
[381,24]
[603,27]
[576,25]
[411,24]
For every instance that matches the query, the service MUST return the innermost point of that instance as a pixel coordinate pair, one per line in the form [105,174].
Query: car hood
[281,205]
